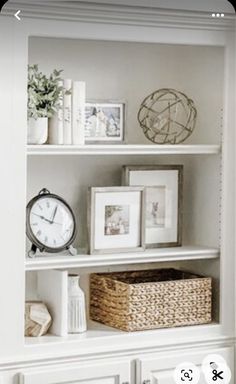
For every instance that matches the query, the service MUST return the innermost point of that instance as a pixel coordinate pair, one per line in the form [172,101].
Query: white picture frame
[163,202]
[105,122]
[115,220]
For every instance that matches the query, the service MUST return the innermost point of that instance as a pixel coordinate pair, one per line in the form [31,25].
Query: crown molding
[120,15]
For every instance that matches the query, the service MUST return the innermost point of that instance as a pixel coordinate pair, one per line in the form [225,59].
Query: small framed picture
[115,219]
[104,122]
[163,202]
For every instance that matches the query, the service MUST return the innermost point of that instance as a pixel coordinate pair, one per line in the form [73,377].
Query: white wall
[131,71]
[70,177]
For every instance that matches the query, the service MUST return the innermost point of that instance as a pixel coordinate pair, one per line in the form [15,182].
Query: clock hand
[44,218]
[41,217]
[54,214]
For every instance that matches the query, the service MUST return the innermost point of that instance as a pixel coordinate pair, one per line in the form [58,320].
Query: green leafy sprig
[44,93]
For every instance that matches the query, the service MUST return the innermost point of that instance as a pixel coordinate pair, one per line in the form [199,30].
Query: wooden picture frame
[115,219]
[152,177]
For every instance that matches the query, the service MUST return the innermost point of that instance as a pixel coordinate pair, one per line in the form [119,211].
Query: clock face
[51,222]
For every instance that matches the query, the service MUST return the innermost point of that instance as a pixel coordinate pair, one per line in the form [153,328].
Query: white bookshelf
[69,170]
[125,149]
[122,54]
[61,261]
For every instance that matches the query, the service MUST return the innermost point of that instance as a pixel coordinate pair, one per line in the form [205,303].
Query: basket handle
[109,284]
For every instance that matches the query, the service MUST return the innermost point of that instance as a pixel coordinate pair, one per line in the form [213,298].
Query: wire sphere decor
[167,116]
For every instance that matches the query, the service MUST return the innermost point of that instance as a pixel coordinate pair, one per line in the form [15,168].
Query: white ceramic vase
[76,306]
[37,130]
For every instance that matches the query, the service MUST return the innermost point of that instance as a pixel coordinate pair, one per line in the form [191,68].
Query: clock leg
[73,251]
[32,251]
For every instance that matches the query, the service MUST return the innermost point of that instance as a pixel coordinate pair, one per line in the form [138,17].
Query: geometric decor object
[167,116]
[37,319]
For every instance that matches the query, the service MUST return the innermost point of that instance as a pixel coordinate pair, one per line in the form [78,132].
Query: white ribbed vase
[76,306]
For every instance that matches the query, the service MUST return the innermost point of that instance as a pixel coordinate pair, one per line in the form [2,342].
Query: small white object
[17,15]
[55,130]
[73,251]
[186,372]
[213,15]
[76,306]
[78,108]
[37,130]
[218,359]
[217,15]
[222,15]
[55,126]
[67,113]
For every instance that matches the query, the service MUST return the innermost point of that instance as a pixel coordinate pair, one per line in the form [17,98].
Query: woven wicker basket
[138,300]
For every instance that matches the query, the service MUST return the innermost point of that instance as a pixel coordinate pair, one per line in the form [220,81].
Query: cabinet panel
[160,369]
[117,372]
[110,380]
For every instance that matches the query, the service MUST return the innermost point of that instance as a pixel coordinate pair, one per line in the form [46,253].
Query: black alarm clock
[50,224]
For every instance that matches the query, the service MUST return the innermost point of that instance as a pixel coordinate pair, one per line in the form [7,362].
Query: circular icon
[215,358]
[186,373]
[216,370]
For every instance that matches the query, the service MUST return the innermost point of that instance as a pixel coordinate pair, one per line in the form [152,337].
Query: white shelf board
[111,336]
[149,256]
[134,149]
[94,330]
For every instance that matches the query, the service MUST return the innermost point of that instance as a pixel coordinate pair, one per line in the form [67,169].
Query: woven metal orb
[167,116]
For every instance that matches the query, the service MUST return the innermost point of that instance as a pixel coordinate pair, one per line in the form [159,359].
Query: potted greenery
[44,95]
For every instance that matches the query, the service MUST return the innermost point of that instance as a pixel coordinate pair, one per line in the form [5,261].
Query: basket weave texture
[139,300]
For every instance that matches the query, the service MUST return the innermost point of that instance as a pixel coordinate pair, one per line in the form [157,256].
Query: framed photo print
[104,122]
[163,202]
[115,219]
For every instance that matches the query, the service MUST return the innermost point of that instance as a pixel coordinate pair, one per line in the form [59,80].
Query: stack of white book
[67,126]
[53,291]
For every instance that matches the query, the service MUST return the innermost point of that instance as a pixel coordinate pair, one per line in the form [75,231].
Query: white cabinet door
[160,369]
[117,372]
